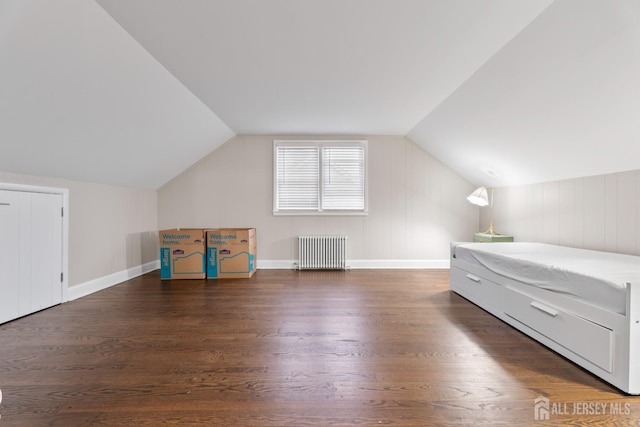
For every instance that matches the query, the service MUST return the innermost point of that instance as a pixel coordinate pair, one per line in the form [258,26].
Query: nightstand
[490,238]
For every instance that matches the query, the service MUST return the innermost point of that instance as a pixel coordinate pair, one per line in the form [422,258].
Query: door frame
[65,225]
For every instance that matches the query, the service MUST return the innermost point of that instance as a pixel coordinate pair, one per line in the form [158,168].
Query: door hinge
[61,277]
[62,212]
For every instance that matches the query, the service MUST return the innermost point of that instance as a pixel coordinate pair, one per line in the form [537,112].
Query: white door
[43,287]
[30,252]
[9,255]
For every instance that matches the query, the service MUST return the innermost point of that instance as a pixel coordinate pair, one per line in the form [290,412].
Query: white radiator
[322,253]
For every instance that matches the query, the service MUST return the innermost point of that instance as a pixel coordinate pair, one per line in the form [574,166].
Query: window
[327,177]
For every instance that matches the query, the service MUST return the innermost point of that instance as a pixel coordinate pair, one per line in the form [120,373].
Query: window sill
[323,213]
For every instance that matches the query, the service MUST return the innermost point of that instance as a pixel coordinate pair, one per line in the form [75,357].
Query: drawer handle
[5,204]
[473,277]
[543,308]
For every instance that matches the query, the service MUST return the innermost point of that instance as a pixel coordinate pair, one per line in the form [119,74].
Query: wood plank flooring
[287,348]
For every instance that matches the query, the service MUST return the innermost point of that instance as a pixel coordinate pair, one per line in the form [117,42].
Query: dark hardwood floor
[286,348]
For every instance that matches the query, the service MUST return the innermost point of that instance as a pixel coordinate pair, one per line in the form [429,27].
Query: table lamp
[480,197]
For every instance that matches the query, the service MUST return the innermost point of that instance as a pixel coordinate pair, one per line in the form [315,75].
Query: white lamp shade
[480,197]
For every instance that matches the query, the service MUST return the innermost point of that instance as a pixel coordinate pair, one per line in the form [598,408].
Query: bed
[583,304]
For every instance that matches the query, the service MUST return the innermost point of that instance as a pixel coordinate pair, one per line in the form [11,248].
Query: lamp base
[491,231]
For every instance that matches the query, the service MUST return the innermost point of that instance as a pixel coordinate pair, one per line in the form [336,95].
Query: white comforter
[598,278]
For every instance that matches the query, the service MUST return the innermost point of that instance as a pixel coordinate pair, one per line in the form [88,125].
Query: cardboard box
[182,253]
[231,253]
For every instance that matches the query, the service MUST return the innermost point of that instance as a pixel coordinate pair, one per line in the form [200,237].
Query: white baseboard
[398,263]
[275,265]
[365,264]
[95,285]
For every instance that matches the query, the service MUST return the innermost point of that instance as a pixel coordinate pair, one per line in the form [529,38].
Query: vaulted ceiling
[132,92]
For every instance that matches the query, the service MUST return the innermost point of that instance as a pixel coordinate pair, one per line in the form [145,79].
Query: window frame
[320,144]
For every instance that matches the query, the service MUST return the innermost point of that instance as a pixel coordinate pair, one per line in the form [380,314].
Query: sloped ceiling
[80,99]
[561,100]
[505,92]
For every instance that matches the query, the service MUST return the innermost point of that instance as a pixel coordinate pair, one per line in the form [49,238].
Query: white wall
[416,204]
[111,229]
[597,212]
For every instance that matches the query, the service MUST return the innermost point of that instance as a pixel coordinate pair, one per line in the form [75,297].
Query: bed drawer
[480,288]
[587,339]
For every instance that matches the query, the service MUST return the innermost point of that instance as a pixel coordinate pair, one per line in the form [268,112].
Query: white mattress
[597,278]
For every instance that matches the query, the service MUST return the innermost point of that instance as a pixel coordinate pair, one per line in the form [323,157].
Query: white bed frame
[603,342]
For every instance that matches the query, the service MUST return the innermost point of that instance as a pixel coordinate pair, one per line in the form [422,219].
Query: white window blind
[319,177]
[343,178]
[297,177]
